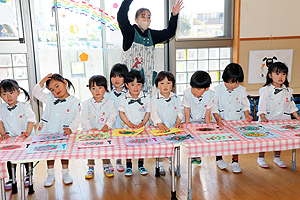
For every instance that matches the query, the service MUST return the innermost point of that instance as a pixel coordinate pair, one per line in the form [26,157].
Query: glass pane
[6,73]
[5,60]
[225,53]
[192,54]
[223,64]
[203,65]
[19,60]
[189,77]
[201,18]
[202,54]
[213,65]
[214,76]
[181,66]
[181,54]
[180,88]
[191,65]
[9,25]
[214,53]
[181,78]
[20,73]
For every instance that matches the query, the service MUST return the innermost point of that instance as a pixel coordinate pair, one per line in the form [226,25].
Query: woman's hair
[200,79]
[162,75]
[118,70]
[9,85]
[277,67]
[139,11]
[59,78]
[133,74]
[97,80]
[233,73]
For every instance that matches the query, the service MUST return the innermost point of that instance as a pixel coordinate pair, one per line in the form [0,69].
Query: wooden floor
[209,182]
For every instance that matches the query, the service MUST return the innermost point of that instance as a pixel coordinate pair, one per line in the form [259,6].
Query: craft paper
[142,141]
[286,127]
[46,138]
[218,137]
[161,132]
[127,132]
[251,128]
[178,138]
[38,148]
[92,136]
[202,128]
[13,147]
[258,134]
[96,143]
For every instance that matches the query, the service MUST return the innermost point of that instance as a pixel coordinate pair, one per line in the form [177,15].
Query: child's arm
[29,129]
[262,106]
[177,7]
[31,121]
[145,120]
[111,119]
[248,117]
[295,114]
[207,116]
[187,113]
[263,118]
[38,89]
[85,123]
[126,121]
[4,136]
[178,123]
[218,119]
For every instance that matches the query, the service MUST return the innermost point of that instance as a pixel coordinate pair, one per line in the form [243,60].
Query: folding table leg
[30,190]
[2,185]
[190,172]
[22,181]
[157,168]
[294,160]
[14,181]
[173,192]
[178,162]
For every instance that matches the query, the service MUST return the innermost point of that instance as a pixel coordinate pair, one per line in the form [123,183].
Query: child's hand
[141,125]
[162,127]
[25,134]
[104,128]
[177,7]
[94,129]
[46,78]
[263,118]
[219,121]
[4,137]
[178,125]
[131,125]
[249,118]
[67,131]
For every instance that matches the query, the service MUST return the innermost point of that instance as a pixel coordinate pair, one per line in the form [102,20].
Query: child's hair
[59,78]
[139,11]
[162,75]
[9,85]
[118,70]
[97,80]
[200,79]
[133,74]
[277,67]
[233,73]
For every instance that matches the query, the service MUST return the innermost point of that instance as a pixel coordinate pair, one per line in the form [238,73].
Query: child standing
[198,101]
[276,103]
[61,115]
[232,104]
[166,107]
[117,89]
[16,119]
[134,110]
[98,113]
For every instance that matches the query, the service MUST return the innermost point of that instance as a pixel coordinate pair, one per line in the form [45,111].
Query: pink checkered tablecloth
[120,150]
[243,145]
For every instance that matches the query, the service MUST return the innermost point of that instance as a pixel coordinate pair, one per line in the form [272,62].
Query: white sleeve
[112,117]
[76,120]
[148,105]
[85,123]
[211,102]
[39,94]
[245,103]
[30,115]
[180,110]
[121,106]
[185,102]
[262,103]
[215,106]
[154,114]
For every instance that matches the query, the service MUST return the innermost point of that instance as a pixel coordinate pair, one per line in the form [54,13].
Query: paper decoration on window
[115,5]
[218,137]
[13,147]
[3,30]
[251,128]
[84,57]
[92,136]
[99,27]
[38,148]
[104,50]
[127,132]
[86,9]
[96,143]
[7,14]
[161,132]
[142,141]
[74,29]
[63,16]
[4,1]
[50,137]
[286,127]
[179,138]
[70,44]
[258,134]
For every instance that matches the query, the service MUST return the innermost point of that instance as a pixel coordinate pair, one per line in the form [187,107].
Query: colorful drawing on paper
[205,129]
[161,132]
[96,143]
[92,136]
[46,138]
[127,132]
[13,147]
[258,134]
[142,141]
[286,127]
[38,148]
[219,137]
[251,128]
[179,138]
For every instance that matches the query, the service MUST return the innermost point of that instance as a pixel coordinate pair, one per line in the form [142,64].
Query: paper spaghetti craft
[38,148]
[127,132]
[258,134]
[257,127]
[218,137]
[13,147]
[96,143]
[179,138]
[92,136]
[161,132]
[286,127]
[51,137]
[142,141]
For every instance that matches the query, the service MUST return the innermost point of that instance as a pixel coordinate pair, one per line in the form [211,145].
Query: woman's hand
[178,6]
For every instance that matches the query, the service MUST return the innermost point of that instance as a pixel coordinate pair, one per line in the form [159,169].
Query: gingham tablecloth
[201,148]
[120,150]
